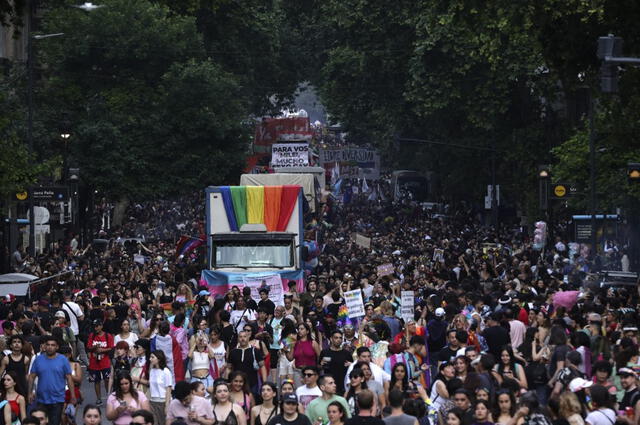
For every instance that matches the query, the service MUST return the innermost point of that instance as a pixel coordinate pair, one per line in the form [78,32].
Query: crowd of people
[501,333]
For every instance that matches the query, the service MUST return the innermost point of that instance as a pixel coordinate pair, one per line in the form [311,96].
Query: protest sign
[385,270]
[138,258]
[290,155]
[407,301]
[273,282]
[355,162]
[355,305]
[362,240]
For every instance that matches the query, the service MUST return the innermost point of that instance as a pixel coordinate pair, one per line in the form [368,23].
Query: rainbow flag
[187,244]
[268,205]
[166,307]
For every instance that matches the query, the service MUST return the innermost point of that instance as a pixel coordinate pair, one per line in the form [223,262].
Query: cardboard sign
[274,283]
[407,300]
[362,240]
[385,270]
[354,302]
[287,155]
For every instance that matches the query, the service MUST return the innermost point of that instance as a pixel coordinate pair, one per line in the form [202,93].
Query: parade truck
[255,238]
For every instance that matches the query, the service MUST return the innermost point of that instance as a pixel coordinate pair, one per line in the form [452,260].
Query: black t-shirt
[629,399]
[336,366]
[364,420]
[446,354]
[496,337]
[267,305]
[246,363]
[226,335]
[280,420]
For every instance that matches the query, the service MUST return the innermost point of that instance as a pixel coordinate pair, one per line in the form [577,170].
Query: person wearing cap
[317,409]
[290,415]
[631,397]
[99,345]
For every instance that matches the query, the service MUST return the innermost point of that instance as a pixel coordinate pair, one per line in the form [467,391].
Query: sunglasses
[309,374]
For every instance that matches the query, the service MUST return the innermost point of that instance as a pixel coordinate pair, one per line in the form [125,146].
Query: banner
[362,240]
[407,300]
[219,282]
[355,305]
[385,270]
[290,155]
[272,130]
[274,283]
[355,162]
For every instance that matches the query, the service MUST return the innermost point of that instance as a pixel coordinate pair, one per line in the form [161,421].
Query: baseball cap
[290,398]
[60,313]
[97,322]
[439,311]
[626,371]
[578,384]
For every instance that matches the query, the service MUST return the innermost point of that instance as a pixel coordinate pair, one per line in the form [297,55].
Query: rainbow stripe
[268,205]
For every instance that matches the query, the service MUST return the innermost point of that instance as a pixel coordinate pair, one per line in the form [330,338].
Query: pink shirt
[304,355]
[125,418]
[203,408]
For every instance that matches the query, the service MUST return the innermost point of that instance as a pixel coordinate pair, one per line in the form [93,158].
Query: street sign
[46,193]
[563,190]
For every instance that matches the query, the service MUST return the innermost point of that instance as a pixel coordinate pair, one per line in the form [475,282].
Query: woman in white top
[439,394]
[601,403]
[160,382]
[218,352]
[201,356]
[127,336]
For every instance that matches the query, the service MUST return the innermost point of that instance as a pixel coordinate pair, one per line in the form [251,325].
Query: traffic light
[609,47]
[633,172]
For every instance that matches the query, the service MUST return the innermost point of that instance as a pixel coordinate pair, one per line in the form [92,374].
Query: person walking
[366,415]
[317,409]
[397,416]
[290,415]
[53,371]
[99,346]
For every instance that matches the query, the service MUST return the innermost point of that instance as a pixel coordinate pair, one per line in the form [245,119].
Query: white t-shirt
[70,307]
[601,417]
[159,380]
[131,339]
[237,316]
[306,395]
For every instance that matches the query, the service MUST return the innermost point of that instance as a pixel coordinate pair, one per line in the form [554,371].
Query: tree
[115,74]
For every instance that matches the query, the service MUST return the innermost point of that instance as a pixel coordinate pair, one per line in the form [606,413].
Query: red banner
[272,130]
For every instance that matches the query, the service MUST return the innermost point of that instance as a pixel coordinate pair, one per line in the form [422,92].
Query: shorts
[99,375]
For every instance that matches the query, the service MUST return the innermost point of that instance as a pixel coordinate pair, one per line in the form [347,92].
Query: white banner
[355,305]
[273,282]
[407,300]
[290,155]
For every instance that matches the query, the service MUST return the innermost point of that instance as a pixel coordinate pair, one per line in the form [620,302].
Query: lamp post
[30,61]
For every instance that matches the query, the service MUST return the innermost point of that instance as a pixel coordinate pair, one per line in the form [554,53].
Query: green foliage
[149,114]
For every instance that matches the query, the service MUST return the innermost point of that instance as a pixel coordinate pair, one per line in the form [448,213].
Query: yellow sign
[560,191]
[21,196]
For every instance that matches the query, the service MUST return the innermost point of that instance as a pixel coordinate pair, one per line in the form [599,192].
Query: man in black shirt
[631,398]
[496,335]
[449,352]
[365,414]
[335,360]
[462,400]
[290,415]
[248,360]
[265,303]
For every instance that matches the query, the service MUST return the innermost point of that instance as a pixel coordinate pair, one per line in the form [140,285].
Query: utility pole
[32,218]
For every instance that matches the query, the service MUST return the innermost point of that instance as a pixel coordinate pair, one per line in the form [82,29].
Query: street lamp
[65,136]
[544,174]
[30,59]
